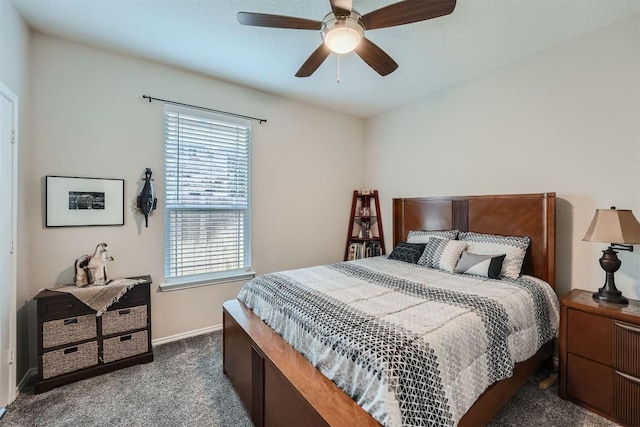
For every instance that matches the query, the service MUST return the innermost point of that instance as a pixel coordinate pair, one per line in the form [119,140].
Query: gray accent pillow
[480,265]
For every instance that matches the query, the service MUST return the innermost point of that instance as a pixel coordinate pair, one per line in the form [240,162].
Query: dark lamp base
[609,293]
[614,297]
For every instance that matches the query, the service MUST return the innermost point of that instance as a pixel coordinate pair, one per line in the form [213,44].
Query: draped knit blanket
[99,298]
[413,346]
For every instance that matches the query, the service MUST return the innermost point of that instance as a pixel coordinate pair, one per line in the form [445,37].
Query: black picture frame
[72,201]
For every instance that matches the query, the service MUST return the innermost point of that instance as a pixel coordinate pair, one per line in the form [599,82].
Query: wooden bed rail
[277,385]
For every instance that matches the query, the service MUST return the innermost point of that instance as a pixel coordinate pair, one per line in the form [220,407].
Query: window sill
[178,284]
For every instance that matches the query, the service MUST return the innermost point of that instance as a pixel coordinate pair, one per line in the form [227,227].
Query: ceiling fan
[343,29]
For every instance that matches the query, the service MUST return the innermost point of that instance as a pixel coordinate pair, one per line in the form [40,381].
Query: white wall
[564,120]
[89,119]
[14,73]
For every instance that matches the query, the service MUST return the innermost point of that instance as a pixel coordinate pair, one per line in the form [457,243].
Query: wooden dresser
[74,343]
[600,356]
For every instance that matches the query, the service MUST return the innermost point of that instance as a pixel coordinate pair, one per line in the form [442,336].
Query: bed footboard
[277,385]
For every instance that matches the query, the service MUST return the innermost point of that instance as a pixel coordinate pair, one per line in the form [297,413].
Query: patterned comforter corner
[413,346]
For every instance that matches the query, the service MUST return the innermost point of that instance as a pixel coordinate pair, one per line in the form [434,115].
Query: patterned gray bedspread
[413,346]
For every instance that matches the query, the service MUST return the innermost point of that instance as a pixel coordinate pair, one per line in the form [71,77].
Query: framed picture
[76,201]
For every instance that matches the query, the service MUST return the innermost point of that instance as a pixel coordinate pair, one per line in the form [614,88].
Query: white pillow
[423,236]
[514,248]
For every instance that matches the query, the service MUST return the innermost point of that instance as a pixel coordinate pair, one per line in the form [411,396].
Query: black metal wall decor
[147,200]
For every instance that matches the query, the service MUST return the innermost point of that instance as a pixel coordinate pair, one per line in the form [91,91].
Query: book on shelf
[359,250]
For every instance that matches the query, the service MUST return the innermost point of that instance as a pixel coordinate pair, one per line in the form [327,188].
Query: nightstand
[600,356]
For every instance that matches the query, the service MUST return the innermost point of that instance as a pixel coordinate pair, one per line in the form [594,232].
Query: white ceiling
[204,36]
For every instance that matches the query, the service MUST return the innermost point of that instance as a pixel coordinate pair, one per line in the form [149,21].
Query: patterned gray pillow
[407,252]
[423,236]
[513,247]
[480,265]
[442,254]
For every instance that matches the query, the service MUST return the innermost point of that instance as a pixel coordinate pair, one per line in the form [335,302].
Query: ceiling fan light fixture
[342,35]
[342,30]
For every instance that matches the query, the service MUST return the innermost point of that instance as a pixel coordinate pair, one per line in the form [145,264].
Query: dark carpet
[185,386]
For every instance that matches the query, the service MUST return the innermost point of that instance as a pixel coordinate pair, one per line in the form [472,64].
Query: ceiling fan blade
[314,61]
[375,57]
[341,7]
[406,12]
[277,21]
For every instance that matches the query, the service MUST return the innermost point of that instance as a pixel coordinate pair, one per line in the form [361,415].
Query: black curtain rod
[150,98]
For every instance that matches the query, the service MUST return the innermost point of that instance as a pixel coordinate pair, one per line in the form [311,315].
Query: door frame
[12,380]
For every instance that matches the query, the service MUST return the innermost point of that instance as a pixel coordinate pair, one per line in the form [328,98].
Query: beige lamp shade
[614,226]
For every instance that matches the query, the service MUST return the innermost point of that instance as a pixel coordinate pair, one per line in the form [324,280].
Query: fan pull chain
[338,78]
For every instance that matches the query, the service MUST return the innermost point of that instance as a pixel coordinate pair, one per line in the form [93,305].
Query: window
[207,197]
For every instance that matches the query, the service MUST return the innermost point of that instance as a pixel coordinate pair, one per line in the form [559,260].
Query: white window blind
[207,195]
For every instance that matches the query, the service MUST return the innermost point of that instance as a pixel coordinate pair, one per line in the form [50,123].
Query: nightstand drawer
[69,359]
[590,382]
[626,404]
[626,339]
[125,346]
[589,336]
[65,331]
[124,319]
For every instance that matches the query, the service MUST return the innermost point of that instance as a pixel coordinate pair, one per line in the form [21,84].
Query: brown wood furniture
[74,343]
[365,214]
[280,387]
[600,356]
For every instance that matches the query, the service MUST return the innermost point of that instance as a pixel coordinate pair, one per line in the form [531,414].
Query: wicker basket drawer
[126,319]
[65,331]
[125,346]
[69,359]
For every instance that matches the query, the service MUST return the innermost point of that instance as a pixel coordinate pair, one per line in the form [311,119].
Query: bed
[279,386]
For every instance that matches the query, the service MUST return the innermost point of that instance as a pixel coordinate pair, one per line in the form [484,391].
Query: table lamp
[621,230]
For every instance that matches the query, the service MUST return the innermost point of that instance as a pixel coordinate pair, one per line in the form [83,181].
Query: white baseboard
[33,372]
[184,335]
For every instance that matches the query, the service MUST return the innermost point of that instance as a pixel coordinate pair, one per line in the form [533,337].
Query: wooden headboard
[532,215]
